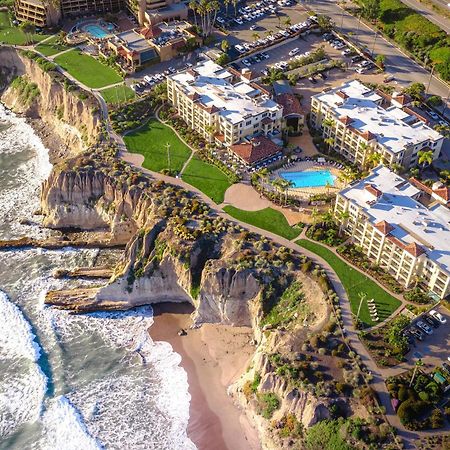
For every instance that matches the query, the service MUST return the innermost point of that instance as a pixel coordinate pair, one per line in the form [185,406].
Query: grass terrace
[118,94]
[207,178]
[9,34]
[51,46]
[150,141]
[268,219]
[87,69]
[356,283]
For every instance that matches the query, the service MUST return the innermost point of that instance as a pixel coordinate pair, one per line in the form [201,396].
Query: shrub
[268,404]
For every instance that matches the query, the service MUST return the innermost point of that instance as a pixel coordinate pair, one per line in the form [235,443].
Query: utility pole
[363,297]
[429,80]
[374,40]
[168,154]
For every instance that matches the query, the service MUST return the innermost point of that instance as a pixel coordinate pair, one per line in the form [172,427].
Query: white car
[361,70]
[294,51]
[253,27]
[438,316]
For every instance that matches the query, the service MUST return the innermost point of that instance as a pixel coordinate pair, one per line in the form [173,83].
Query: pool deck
[309,166]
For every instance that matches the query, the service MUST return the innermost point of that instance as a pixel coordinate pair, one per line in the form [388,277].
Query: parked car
[361,70]
[347,52]
[438,316]
[322,75]
[253,27]
[434,322]
[312,79]
[424,327]
[443,123]
[417,333]
[430,321]
[433,115]
[446,367]
[356,59]
[294,51]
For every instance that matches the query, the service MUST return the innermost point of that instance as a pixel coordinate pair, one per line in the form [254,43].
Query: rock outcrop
[68,113]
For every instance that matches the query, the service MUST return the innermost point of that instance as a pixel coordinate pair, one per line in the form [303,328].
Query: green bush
[268,404]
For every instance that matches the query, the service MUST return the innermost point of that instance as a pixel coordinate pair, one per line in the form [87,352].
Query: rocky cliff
[70,114]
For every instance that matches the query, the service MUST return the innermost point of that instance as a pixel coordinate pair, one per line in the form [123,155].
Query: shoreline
[214,356]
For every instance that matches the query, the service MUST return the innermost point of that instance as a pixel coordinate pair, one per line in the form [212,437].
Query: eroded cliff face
[179,250]
[75,121]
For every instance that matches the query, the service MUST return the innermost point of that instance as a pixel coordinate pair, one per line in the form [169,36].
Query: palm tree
[374,158]
[287,21]
[235,3]
[425,158]
[329,141]
[328,122]
[395,167]
[193,7]
[418,363]
[255,36]
[28,28]
[347,175]
[278,184]
[342,216]
[225,46]
[315,214]
[226,3]
[209,130]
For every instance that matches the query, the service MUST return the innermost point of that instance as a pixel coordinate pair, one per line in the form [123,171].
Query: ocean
[73,382]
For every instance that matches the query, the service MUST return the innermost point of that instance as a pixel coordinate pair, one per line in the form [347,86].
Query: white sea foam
[28,175]
[22,383]
[17,338]
[63,428]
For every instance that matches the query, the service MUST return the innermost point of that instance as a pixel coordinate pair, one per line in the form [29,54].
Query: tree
[225,46]
[374,158]
[207,11]
[287,22]
[329,141]
[28,28]
[380,60]
[328,122]
[371,10]
[226,3]
[325,24]
[255,36]
[347,175]
[235,3]
[434,100]
[223,59]
[444,176]
[424,158]
[418,363]
[415,91]
[342,217]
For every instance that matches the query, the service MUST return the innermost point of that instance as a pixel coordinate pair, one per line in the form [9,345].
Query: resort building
[401,227]
[358,121]
[222,105]
[160,42]
[293,115]
[48,13]
[42,14]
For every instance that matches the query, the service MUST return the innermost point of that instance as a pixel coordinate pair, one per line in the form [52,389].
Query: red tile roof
[290,104]
[384,227]
[402,99]
[259,148]
[373,190]
[368,136]
[345,120]
[443,192]
[415,249]
[149,33]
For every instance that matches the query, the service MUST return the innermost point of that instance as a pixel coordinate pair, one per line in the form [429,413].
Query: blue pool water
[95,30]
[309,179]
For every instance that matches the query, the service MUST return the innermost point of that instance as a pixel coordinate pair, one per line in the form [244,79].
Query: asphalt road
[398,64]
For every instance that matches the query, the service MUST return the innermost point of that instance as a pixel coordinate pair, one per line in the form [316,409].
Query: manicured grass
[356,283]
[207,178]
[151,140]
[118,94]
[10,34]
[268,219]
[51,47]
[87,69]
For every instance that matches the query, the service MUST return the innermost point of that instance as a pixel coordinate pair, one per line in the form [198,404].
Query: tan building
[150,12]
[42,14]
[359,121]
[405,230]
[222,106]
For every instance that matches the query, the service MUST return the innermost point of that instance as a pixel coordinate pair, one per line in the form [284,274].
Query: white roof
[213,83]
[412,221]
[393,127]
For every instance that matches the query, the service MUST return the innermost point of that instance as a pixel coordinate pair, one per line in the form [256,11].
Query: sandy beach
[213,357]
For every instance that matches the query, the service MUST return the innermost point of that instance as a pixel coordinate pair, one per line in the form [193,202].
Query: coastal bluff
[70,117]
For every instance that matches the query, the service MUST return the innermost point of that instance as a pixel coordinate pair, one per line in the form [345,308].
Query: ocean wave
[22,383]
[63,428]
[17,338]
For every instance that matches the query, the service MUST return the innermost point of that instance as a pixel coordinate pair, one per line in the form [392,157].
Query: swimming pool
[98,29]
[318,178]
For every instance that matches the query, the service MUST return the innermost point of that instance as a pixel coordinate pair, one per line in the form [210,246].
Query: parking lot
[435,348]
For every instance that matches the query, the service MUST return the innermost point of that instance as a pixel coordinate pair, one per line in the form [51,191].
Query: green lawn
[118,94]
[355,283]
[87,69]
[51,47]
[268,219]
[151,140]
[10,34]
[207,178]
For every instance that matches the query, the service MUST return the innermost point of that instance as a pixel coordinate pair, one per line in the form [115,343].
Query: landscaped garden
[133,115]
[207,178]
[9,34]
[117,95]
[151,141]
[414,395]
[52,46]
[357,285]
[268,219]
[87,69]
